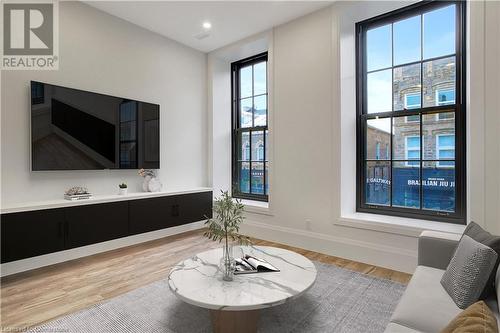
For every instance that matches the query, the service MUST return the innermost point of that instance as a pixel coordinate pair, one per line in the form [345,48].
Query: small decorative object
[225,225]
[149,175]
[77,193]
[123,189]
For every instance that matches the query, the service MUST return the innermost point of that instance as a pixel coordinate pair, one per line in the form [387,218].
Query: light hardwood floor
[31,298]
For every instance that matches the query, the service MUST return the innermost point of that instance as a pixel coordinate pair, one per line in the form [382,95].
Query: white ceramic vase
[145,183]
[154,185]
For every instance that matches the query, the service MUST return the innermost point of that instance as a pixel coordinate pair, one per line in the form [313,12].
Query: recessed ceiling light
[207,25]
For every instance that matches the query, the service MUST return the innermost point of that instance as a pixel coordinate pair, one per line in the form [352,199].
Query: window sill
[256,207]
[395,225]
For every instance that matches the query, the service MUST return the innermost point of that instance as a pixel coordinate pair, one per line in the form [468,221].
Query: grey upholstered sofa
[425,305]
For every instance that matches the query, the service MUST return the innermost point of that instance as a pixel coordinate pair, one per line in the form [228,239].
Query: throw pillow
[477,318]
[468,271]
[480,235]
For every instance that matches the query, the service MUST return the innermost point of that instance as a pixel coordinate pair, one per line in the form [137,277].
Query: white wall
[101,53]
[492,116]
[313,192]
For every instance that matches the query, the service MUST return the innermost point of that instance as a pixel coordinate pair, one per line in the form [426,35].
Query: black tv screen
[73,129]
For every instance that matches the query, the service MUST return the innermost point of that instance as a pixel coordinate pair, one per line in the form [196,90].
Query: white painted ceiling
[231,20]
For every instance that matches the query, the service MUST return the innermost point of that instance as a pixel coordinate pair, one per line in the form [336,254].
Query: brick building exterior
[401,183]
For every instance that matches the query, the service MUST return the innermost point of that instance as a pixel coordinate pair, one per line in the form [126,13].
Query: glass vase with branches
[225,226]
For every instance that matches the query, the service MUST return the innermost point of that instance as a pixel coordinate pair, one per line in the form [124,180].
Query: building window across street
[445,97]
[410,100]
[250,164]
[412,154]
[445,148]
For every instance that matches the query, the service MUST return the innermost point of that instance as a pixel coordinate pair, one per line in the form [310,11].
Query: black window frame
[459,216]
[236,129]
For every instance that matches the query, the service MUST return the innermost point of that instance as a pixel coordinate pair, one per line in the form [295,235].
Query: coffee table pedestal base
[235,321]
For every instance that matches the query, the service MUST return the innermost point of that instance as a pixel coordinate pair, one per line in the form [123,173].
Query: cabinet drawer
[151,214]
[194,207]
[30,234]
[92,224]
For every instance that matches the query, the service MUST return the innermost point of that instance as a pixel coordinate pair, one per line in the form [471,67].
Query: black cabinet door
[96,223]
[194,207]
[168,211]
[29,234]
[151,214]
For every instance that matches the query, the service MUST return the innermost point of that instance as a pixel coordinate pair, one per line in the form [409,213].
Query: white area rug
[340,301]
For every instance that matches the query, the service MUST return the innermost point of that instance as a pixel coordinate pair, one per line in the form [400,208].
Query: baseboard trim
[84,251]
[371,253]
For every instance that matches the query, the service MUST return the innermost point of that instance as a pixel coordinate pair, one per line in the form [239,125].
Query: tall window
[410,94]
[250,133]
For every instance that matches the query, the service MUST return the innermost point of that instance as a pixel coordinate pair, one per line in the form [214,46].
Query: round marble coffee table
[235,305]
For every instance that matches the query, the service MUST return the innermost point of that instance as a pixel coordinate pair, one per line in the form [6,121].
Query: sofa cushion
[474,231]
[469,271]
[425,305]
[476,318]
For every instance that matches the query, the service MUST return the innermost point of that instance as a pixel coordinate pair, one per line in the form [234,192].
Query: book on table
[249,264]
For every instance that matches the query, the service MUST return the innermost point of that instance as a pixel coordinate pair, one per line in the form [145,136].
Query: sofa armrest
[435,249]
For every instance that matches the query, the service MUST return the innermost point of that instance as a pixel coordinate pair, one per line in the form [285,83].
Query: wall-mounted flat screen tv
[73,129]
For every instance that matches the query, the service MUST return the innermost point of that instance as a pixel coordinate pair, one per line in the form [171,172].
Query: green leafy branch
[225,225]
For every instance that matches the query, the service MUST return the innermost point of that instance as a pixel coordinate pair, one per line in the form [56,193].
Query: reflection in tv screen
[78,130]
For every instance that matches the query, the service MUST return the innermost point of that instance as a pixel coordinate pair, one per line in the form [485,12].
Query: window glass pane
[445,96]
[244,177]
[258,146]
[378,133]
[412,118]
[406,139]
[439,75]
[439,136]
[446,140]
[378,183]
[406,185]
[407,41]
[438,186]
[413,142]
[406,83]
[246,82]
[446,154]
[260,110]
[446,115]
[244,146]
[246,112]
[379,48]
[412,101]
[259,78]
[439,32]
[379,91]
[257,178]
